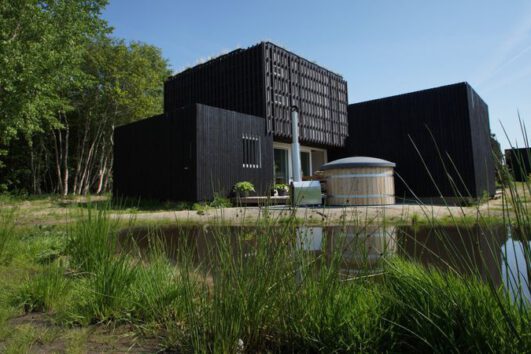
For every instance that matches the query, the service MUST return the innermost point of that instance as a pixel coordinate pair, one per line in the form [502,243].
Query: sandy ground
[47,211]
[395,212]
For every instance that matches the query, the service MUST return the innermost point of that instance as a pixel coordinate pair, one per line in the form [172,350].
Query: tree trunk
[77,177]
[58,158]
[65,161]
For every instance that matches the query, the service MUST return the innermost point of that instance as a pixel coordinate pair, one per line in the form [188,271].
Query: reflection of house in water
[466,250]
[489,254]
[360,248]
[200,245]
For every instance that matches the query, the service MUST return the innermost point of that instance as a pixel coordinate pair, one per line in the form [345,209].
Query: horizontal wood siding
[220,152]
[265,80]
[431,127]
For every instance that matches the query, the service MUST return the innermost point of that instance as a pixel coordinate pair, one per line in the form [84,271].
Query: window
[281,166]
[251,151]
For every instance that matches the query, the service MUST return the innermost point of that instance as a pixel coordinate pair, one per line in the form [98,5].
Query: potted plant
[281,188]
[242,189]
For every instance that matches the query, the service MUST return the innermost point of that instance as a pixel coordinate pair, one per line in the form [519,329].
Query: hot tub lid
[357,161]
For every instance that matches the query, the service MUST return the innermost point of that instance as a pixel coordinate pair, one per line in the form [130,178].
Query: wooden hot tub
[359,180]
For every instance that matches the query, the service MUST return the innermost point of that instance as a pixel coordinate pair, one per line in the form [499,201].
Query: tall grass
[7,232]
[92,241]
[259,288]
[47,291]
[430,311]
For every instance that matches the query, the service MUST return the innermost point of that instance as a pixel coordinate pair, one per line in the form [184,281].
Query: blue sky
[381,48]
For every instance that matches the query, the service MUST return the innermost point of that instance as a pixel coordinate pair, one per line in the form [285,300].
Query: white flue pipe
[295,147]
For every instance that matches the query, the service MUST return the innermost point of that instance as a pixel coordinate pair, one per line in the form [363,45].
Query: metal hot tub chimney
[307,192]
[295,147]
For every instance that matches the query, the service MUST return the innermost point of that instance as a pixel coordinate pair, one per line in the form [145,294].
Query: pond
[496,254]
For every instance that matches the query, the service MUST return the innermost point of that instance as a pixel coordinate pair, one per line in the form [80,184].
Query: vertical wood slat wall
[220,152]
[155,158]
[265,80]
[519,163]
[189,154]
[451,136]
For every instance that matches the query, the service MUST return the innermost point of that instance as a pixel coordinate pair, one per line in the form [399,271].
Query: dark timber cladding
[264,80]
[519,163]
[445,128]
[190,154]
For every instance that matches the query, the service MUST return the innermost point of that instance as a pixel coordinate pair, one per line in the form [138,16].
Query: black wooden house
[191,153]
[253,90]
[519,163]
[228,120]
[439,139]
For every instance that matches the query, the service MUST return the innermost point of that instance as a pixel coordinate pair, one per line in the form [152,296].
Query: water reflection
[494,255]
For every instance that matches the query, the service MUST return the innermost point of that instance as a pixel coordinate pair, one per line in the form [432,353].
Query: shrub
[244,187]
[220,202]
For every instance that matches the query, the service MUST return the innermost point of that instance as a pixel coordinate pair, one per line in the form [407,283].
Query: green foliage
[157,290]
[45,292]
[109,289]
[220,201]
[200,207]
[92,241]
[437,312]
[244,187]
[281,187]
[42,46]
[257,292]
[57,113]
[7,233]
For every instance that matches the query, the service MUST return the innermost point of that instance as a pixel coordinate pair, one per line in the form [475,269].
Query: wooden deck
[263,200]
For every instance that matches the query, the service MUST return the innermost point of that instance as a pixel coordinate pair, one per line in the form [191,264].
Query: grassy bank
[70,284]
[258,293]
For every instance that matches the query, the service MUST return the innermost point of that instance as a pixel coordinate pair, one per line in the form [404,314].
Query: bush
[220,202]
[243,187]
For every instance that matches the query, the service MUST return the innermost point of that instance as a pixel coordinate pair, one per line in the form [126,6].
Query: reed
[7,232]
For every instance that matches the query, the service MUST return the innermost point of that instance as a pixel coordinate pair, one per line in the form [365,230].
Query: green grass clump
[7,233]
[432,311]
[45,292]
[255,290]
[109,290]
[92,240]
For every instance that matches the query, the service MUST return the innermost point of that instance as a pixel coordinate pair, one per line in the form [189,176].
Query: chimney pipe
[295,148]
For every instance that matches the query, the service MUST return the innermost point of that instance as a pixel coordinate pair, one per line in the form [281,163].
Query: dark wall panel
[429,134]
[481,146]
[189,154]
[265,80]
[233,81]
[220,152]
[138,152]
[519,163]
[155,157]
